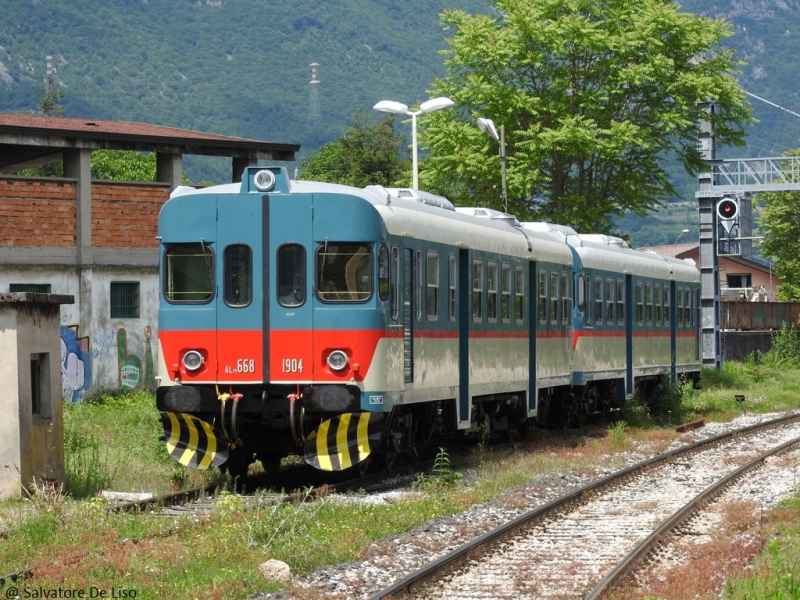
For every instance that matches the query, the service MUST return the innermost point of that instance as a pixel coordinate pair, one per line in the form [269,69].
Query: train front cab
[267,322]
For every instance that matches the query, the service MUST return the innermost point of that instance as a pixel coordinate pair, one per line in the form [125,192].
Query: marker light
[192,360]
[337,360]
[264,180]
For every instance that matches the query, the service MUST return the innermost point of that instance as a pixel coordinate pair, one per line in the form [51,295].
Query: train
[340,324]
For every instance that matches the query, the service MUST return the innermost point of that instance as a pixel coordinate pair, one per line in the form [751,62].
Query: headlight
[192,360]
[337,360]
[264,180]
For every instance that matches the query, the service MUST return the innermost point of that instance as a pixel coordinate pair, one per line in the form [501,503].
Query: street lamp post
[675,245]
[487,125]
[426,107]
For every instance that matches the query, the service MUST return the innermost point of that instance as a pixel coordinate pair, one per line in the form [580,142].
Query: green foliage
[595,97]
[364,155]
[618,436]
[784,352]
[779,223]
[122,165]
[442,475]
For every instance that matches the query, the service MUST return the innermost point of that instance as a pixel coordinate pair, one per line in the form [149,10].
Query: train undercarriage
[251,425]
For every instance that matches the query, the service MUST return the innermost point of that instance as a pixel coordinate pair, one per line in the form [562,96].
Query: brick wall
[126,216]
[37,213]
[43,213]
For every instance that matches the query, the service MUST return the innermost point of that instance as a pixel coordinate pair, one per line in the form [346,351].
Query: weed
[618,436]
[442,475]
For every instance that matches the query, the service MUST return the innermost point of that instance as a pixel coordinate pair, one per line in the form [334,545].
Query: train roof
[417,214]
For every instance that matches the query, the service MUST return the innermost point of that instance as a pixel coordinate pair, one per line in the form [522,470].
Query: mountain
[241,67]
[234,67]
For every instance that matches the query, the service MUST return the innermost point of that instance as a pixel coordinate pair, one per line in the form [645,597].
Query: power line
[791,112]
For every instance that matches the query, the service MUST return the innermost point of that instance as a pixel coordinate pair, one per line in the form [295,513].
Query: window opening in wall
[124,299]
[418,284]
[620,301]
[41,405]
[32,288]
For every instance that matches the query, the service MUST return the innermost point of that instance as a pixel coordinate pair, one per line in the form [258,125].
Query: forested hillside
[241,67]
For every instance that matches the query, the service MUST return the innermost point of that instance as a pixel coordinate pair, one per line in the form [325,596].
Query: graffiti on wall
[76,370]
[132,373]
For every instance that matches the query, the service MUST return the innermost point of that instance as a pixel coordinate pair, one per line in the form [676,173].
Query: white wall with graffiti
[100,351]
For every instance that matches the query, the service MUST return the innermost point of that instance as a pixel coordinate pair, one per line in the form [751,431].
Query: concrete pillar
[32,427]
[239,165]
[169,169]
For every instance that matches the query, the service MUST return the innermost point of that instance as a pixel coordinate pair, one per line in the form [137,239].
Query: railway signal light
[727,211]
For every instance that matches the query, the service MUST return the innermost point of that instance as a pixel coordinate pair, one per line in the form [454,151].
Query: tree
[595,97]
[364,155]
[780,223]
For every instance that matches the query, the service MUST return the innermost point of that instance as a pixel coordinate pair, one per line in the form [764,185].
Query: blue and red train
[337,323]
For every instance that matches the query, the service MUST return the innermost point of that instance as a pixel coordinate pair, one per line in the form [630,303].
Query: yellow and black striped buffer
[343,441]
[192,441]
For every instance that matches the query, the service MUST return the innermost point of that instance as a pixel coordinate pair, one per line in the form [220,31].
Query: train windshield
[344,272]
[188,273]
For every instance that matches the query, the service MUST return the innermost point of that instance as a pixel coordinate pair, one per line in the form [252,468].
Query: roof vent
[411,195]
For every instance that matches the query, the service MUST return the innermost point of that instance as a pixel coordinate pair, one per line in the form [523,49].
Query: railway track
[582,544]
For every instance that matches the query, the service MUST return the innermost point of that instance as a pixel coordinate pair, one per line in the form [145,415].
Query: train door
[288,268]
[240,287]
[673,346]
[463,317]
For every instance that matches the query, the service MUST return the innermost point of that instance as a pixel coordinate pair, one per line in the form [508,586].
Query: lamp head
[487,125]
[435,104]
[389,106]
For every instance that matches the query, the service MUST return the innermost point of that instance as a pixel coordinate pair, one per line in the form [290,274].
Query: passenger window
[189,273]
[394,286]
[648,303]
[418,283]
[491,291]
[679,308]
[505,293]
[610,301]
[291,275]
[687,307]
[452,278]
[519,294]
[639,302]
[344,272]
[566,308]
[621,301]
[477,290]
[581,295]
[543,295]
[598,300]
[659,301]
[554,297]
[666,304]
[432,292]
[383,273]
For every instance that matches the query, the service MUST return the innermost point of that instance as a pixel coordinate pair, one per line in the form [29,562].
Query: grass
[70,541]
